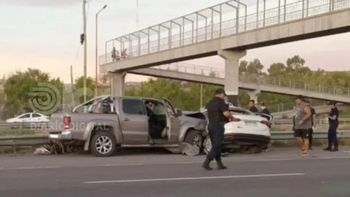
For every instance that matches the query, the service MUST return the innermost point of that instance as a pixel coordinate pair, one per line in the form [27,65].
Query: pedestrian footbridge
[214,76]
[227,29]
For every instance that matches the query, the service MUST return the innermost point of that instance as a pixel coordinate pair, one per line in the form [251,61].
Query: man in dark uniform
[218,116]
[333,125]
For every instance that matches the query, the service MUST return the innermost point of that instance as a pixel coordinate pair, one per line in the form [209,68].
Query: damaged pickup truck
[106,123]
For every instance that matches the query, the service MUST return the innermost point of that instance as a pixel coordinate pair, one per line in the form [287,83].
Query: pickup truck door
[173,123]
[133,121]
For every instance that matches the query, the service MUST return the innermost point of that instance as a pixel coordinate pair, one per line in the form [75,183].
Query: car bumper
[64,135]
[246,139]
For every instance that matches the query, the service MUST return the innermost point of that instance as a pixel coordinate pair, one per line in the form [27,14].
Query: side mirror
[178,112]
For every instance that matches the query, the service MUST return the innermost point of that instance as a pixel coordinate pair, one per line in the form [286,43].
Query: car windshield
[24,116]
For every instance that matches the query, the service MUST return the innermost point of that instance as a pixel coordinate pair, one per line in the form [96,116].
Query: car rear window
[133,106]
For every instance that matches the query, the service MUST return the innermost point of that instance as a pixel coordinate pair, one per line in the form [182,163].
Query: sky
[44,34]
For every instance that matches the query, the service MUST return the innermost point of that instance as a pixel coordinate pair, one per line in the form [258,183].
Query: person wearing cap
[333,125]
[302,123]
[218,116]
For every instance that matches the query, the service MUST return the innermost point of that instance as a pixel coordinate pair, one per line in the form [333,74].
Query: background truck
[105,123]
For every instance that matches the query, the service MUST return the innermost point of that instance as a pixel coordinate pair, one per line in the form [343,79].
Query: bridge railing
[224,19]
[256,79]
[193,69]
[295,84]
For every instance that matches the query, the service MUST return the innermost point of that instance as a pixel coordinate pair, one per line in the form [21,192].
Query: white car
[249,131]
[32,117]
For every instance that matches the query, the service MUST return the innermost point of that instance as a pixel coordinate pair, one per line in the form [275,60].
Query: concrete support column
[253,95]
[232,73]
[117,83]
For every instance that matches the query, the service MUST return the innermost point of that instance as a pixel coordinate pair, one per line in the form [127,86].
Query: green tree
[276,70]
[255,67]
[79,88]
[19,86]
[243,66]
[295,62]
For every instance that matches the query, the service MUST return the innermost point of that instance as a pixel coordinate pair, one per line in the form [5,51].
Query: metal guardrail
[318,121]
[25,125]
[289,135]
[18,141]
[21,141]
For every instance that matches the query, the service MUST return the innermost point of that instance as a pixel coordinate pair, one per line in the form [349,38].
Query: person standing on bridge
[115,54]
[333,125]
[302,123]
[218,116]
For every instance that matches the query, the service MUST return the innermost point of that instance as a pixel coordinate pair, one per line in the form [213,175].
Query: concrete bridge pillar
[232,73]
[117,83]
[253,95]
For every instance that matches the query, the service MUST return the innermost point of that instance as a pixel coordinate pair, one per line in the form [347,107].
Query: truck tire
[103,144]
[194,138]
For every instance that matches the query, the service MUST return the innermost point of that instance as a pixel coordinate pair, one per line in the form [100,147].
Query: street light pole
[96,50]
[85,49]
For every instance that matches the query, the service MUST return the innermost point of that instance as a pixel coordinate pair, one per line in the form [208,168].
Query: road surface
[278,172]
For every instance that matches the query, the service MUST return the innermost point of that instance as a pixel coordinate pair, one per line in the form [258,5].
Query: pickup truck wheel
[103,144]
[194,138]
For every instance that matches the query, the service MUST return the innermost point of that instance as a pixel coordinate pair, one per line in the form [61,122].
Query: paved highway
[278,172]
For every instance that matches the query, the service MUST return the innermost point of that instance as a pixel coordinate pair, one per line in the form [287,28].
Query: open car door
[173,123]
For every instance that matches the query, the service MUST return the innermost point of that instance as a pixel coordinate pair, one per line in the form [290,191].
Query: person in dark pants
[218,116]
[311,130]
[333,125]
[302,123]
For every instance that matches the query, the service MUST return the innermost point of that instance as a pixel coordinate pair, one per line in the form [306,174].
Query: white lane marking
[36,167]
[146,164]
[194,178]
[117,165]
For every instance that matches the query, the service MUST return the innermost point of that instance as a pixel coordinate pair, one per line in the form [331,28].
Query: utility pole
[71,84]
[201,99]
[137,12]
[96,49]
[85,48]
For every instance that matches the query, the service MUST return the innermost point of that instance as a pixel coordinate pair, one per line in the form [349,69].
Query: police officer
[333,125]
[218,115]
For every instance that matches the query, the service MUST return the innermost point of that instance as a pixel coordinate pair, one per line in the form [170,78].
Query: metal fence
[220,20]
[257,79]
[295,84]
